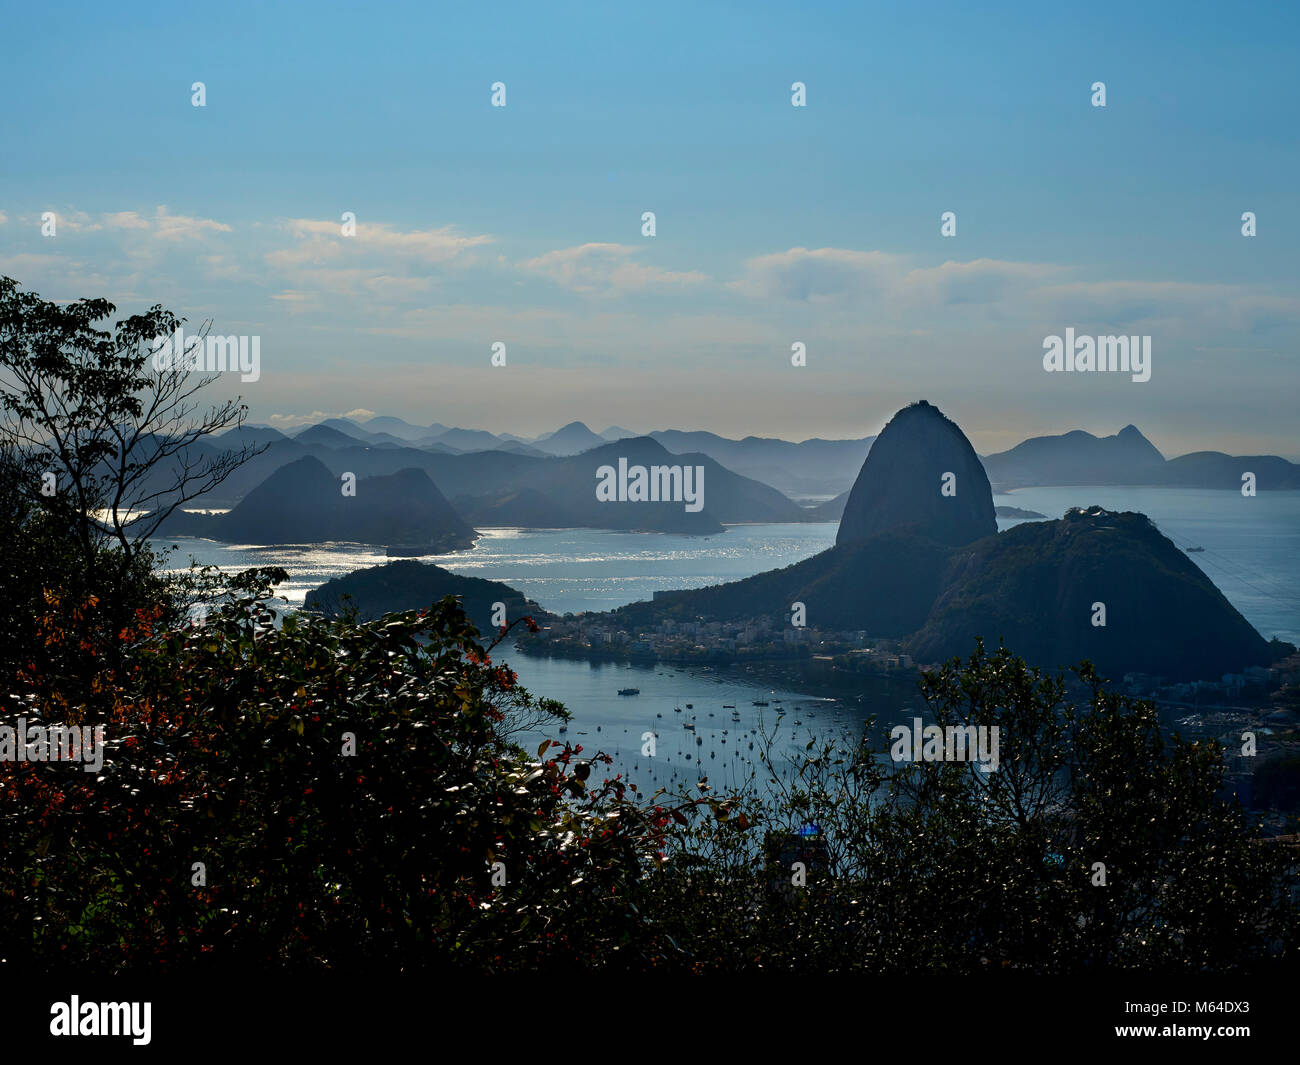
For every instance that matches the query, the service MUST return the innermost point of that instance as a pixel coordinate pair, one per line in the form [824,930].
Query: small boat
[690,726]
[761,702]
[629,691]
[728,706]
[1192,550]
[690,706]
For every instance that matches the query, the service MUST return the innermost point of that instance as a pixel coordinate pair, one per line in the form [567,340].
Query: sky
[775,225]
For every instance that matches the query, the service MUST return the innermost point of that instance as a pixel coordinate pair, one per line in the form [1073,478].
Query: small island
[409,585]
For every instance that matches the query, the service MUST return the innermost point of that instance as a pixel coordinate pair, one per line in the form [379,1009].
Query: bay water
[1251,552]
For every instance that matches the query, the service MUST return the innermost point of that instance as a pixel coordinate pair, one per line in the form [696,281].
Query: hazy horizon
[292,424]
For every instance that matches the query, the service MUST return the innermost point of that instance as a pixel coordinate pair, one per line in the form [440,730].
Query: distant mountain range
[549,482]
[510,484]
[818,468]
[560,492]
[494,487]
[811,468]
[1129,458]
[1076,458]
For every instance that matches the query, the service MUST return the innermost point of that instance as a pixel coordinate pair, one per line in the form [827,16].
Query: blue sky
[775,224]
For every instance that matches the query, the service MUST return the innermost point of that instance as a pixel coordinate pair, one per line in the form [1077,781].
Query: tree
[98,445]
[349,795]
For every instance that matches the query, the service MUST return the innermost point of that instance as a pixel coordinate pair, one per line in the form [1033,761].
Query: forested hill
[407,584]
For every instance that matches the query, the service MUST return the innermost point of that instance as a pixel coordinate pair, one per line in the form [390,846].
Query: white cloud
[71,221]
[176,226]
[125,220]
[605,269]
[322,239]
[164,225]
[850,277]
[293,421]
[381,263]
[296,302]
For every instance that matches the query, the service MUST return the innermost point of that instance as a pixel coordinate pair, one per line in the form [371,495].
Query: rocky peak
[904,483]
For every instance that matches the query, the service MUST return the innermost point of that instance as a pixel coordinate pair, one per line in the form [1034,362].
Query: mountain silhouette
[303,502]
[921,474]
[1077,457]
[1214,469]
[1038,587]
[408,584]
[329,436]
[561,493]
[813,467]
[572,439]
